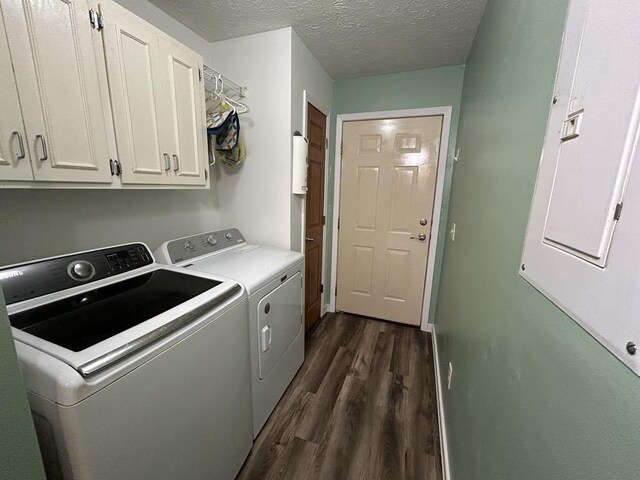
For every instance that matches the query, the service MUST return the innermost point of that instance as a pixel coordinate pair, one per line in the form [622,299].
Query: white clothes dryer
[273,278]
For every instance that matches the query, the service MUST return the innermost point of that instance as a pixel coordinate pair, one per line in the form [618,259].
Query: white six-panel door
[53,55]
[389,170]
[15,161]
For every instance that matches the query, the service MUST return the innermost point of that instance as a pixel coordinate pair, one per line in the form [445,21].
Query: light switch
[571,126]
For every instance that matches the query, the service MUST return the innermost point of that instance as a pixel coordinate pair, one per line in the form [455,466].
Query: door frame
[445,112]
[308,98]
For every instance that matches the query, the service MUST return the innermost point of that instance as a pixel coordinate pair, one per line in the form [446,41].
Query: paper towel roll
[300,151]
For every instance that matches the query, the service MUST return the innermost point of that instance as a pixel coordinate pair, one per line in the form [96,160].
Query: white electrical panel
[582,248]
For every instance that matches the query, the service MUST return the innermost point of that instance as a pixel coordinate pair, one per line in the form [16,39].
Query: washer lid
[96,326]
[252,265]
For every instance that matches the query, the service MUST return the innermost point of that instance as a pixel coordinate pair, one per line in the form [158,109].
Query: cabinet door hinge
[618,211]
[341,148]
[338,223]
[115,167]
[95,19]
[200,74]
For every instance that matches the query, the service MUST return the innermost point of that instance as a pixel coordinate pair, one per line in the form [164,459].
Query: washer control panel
[203,244]
[34,279]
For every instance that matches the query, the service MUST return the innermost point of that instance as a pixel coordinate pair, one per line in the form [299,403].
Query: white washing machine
[134,370]
[273,278]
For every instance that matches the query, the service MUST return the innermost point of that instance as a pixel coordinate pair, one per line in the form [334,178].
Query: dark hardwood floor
[363,406]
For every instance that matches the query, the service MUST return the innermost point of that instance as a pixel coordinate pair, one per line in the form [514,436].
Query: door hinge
[341,148]
[326,143]
[338,223]
[321,288]
[200,74]
[618,211]
[95,19]
[336,290]
[324,219]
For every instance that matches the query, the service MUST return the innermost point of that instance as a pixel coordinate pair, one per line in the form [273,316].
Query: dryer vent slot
[283,279]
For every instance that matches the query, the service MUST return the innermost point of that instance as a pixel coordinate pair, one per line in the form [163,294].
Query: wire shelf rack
[230,88]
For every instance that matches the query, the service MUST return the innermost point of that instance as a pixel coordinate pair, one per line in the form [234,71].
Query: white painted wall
[306,75]
[164,22]
[255,196]
[41,223]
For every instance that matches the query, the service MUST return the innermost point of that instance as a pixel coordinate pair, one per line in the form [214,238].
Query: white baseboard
[444,449]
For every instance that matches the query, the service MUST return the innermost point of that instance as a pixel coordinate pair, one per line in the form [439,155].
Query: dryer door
[279,322]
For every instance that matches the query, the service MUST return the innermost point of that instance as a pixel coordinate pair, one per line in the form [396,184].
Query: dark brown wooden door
[316,133]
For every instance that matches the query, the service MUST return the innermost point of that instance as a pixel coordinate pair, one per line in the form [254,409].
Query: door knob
[422,237]
[309,239]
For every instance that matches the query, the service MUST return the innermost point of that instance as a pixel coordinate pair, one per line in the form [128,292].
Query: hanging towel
[227,138]
[233,157]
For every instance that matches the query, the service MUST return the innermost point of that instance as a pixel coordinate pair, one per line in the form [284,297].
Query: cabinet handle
[20,144]
[167,162]
[43,142]
[176,163]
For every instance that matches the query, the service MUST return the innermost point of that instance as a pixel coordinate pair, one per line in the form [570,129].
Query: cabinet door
[131,47]
[15,161]
[184,109]
[52,46]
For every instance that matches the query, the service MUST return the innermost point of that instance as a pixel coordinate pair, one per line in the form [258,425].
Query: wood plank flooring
[362,407]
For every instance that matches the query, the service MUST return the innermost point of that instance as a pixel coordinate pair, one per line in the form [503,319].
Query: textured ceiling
[349,37]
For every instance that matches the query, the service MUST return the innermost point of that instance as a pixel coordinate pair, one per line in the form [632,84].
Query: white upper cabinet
[15,161]
[131,47]
[582,249]
[57,74]
[157,96]
[90,92]
[184,93]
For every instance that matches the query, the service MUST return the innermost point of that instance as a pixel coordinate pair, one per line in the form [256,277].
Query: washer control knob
[228,235]
[81,270]
[211,240]
[189,246]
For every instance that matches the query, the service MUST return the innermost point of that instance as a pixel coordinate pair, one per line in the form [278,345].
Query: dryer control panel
[195,246]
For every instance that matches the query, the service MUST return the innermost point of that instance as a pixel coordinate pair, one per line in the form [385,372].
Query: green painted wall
[533,395]
[19,453]
[435,87]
